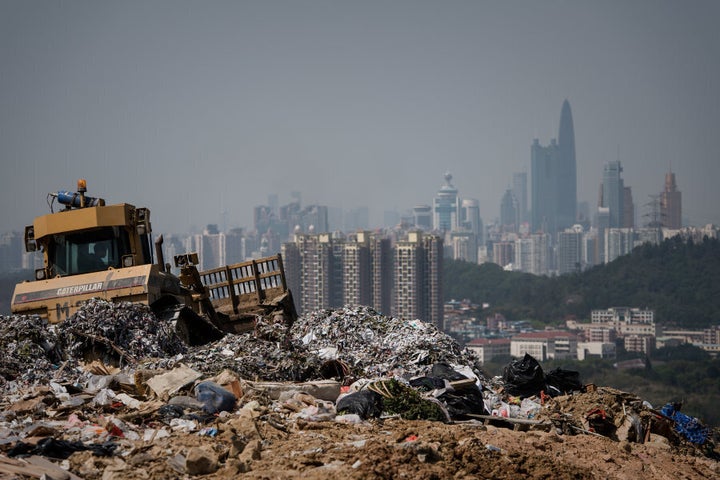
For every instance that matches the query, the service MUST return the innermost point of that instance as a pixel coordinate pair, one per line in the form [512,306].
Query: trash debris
[118,333]
[214,397]
[524,377]
[105,383]
[688,427]
[365,404]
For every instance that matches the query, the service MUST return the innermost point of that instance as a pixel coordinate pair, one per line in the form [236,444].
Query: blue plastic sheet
[688,427]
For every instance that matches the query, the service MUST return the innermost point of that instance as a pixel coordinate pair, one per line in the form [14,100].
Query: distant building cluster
[632,329]
[400,275]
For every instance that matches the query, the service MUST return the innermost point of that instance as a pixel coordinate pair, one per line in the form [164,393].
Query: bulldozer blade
[193,329]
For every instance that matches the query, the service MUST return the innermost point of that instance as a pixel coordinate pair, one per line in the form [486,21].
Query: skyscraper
[471,216]
[554,179]
[613,193]
[628,217]
[422,215]
[671,203]
[544,186]
[519,189]
[509,212]
[446,206]
[567,170]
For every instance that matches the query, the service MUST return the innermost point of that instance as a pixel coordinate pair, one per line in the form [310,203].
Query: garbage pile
[35,352]
[558,398]
[114,373]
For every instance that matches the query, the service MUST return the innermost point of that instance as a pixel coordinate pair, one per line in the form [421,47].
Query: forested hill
[680,281]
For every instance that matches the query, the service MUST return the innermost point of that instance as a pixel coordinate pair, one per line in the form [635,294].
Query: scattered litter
[114,374]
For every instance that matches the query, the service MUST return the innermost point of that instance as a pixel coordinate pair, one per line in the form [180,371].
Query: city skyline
[200,111]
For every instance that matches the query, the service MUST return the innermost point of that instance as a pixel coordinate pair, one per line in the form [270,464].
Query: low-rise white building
[596,349]
[489,348]
[544,345]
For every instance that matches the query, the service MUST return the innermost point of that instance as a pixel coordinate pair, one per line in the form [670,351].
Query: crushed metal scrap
[353,341]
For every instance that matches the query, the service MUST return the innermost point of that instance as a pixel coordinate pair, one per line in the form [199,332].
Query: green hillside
[680,281]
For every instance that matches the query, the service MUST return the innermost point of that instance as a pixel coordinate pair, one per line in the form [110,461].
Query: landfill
[114,393]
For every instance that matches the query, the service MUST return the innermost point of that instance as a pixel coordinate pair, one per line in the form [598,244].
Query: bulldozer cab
[92,251]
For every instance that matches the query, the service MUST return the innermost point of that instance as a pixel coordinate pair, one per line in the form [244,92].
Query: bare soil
[392,448]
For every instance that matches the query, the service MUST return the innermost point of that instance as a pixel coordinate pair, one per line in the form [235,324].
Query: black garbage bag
[61,449]
[427,384]
[462,404]
[445,371]
[560,382]
[524,377]
[214,397]
[365,403]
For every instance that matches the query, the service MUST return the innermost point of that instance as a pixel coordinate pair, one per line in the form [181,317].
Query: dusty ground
[394,449]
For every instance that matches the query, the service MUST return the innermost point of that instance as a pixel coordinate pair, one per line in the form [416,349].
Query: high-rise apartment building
[554,179]
[356,272]
[310,263]
[328,271]
[418,273]
[590,253]
[618,242]
[465,246]
[470,219]
[671,203]
[433,292]
[570,250]
[235,246]
[381,258]
[210,247]
[532,254]
[446,207]
[503,253]
[603,223]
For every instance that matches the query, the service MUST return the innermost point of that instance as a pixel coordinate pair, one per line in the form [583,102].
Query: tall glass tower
[554,179]
[613,193]
[446,206]
[567,171]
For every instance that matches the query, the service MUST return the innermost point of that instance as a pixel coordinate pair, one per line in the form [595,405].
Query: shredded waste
[114,373]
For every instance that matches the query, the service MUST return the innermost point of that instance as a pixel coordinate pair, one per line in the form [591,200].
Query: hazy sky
[192,108]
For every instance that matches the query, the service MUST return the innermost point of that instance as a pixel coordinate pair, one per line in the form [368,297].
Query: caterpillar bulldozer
[93,250]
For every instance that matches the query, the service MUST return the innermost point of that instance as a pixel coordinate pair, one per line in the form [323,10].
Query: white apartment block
[626,321]
[617,315]
[544,345]
[618,242]
[488,348]
[531,254]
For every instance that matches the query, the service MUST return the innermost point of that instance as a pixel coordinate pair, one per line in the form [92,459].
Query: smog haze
[200,110]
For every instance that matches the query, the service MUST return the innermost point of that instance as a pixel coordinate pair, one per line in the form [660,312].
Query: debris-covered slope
[113,393]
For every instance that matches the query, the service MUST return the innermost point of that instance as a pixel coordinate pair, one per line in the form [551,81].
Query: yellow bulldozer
[95,250]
